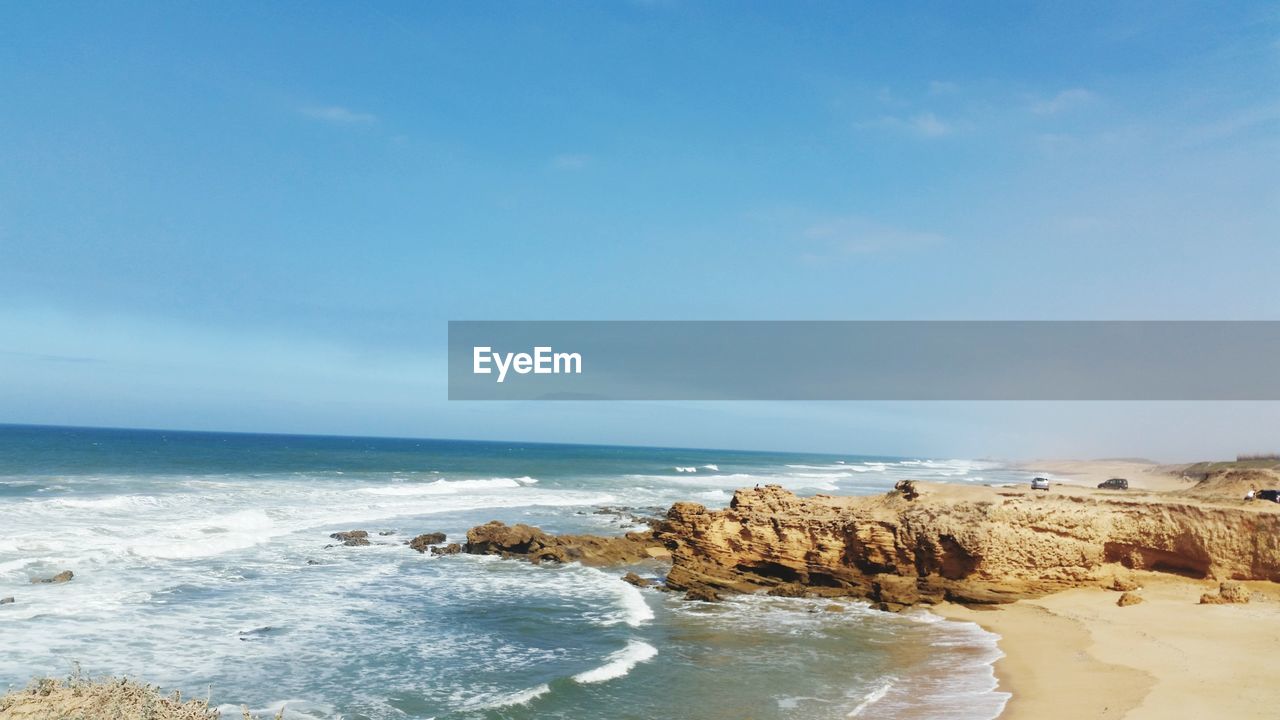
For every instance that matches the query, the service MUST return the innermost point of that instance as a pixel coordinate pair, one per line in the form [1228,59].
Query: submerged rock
[424,541]
[352,538]
[6,601]
[255,633]
[64,576]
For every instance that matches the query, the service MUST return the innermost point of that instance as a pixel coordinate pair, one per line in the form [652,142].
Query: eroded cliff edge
[971,545]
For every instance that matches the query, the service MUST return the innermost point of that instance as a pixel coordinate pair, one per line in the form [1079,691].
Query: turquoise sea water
[201,564]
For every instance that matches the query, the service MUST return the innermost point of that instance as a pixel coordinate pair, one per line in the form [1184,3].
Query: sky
[261,216]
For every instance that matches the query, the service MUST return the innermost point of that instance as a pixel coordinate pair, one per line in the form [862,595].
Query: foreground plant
[80,698]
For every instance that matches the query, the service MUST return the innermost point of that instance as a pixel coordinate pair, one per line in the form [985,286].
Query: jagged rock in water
[424,541]
[636,580]
[450,549]
[791,590]
[1129,598]
[531,543]
[702,594]
[352,538]
[64,576]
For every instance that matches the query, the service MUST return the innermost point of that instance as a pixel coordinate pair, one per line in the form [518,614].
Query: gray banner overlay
[864,360]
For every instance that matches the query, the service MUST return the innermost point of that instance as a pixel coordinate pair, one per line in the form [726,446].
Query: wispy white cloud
[925,124]
[570,161]
[857,235]
[338,115]
[1237,122]
[943,87]
[1063,101]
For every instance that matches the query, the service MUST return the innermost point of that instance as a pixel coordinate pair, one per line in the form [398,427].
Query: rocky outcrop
[424,541]
[64,576]
[450,549]
[352,538]
[1229,592]
[973,545]
[1122,584]
[1129,598]
[634,579]
[6,601]
[531,543]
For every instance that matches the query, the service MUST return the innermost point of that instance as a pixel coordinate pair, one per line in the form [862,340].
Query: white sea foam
[619,663]
[636,611]
[713,468]
[501,700]
[450,487]
[686,469]
[873,697]
[293,709]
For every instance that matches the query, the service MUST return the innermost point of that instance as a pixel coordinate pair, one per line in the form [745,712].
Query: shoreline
[1077,654]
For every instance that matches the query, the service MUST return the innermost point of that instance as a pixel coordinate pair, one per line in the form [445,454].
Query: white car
[1040,484]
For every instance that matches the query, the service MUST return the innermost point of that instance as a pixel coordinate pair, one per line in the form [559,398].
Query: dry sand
[1076,654]
[1142,475]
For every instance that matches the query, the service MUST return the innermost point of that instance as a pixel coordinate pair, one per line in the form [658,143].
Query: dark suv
[1114,484]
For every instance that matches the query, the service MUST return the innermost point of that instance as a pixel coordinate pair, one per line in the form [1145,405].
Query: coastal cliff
[965,544]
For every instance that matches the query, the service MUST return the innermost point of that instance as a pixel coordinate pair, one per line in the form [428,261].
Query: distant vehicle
[1272,495]
[1040,484]
[1114,484]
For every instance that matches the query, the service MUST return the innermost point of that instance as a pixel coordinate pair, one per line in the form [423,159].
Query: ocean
[201,563]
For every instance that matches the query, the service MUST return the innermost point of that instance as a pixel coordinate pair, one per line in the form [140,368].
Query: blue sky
[260,216]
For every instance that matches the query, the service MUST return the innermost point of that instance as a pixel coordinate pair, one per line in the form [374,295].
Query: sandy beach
[1076,654]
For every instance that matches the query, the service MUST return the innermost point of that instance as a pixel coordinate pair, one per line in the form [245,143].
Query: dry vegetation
[78,698]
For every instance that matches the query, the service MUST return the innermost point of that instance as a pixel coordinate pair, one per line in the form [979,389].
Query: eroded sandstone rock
[1229,592]
[634,579]
[1129,598]
[969,545]
[1122,584]
[531,543]
[450,549]
[64,576]
[424,541]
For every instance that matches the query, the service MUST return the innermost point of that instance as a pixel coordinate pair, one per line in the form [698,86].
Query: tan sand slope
[1076,654]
